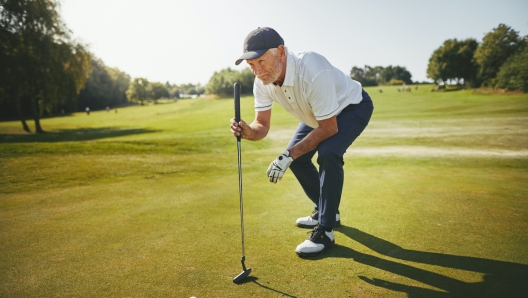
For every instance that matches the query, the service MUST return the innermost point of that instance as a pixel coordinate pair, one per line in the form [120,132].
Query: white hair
[274,51]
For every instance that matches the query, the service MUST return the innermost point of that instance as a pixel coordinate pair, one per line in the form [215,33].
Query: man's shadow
[500,279]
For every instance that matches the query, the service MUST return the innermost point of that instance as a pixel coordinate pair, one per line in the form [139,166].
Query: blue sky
[186,41]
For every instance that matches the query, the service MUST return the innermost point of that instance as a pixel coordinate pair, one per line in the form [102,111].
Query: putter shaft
[241,198]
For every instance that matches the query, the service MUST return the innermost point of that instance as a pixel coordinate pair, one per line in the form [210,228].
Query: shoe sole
[337,224]
[312,254]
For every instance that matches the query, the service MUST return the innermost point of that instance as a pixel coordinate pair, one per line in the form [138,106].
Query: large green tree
[513,75]
[369,76]
[395,73]
[139,91]
[40,62]
[159,90]
[467,67]
[496,47]
[454,61]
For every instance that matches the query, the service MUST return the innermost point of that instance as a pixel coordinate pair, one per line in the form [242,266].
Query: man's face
[267,67]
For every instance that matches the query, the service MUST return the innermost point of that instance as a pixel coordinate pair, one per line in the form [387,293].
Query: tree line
[111,87]
[499,61]
[44,71]
[379,75]
[221,83]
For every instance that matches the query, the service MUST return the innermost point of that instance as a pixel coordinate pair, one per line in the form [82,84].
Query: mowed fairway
[145,203]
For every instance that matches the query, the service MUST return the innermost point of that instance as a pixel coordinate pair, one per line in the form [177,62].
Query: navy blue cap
[258,42]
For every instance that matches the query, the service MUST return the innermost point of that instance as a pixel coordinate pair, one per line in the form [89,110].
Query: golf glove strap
[279,166]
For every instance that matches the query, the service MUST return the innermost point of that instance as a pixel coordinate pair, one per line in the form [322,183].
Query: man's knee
[300,163]
[329,157]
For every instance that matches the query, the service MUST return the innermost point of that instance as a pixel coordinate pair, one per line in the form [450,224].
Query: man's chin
[265,82]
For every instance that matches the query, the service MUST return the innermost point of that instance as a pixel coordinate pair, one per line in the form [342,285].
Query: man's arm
[326,129]
[257,130]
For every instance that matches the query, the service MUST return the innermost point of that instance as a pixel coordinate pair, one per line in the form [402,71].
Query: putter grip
[237,104]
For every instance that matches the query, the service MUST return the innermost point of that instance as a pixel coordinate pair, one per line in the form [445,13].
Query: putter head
[240,278]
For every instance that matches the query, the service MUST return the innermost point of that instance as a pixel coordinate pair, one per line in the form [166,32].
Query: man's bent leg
[351,123]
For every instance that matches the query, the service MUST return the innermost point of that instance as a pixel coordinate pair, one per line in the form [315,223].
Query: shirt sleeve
[263,101]
[321,93]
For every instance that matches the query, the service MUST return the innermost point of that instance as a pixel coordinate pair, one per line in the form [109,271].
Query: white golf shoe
[312,220]
[318,241]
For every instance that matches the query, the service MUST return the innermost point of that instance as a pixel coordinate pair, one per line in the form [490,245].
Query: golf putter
[239,278]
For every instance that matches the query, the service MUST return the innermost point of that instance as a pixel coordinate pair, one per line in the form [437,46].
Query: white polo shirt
[313,89]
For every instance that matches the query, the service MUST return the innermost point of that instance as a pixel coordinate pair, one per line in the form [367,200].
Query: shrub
[513,74]
[395,82]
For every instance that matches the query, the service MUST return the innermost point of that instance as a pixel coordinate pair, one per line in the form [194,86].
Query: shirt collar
[290,70]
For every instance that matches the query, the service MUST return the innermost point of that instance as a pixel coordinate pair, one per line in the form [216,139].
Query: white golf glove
[279,166]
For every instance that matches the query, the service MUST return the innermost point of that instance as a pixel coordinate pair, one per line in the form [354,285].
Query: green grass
[144,203]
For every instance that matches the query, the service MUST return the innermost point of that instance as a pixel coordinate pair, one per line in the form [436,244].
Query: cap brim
[251,55]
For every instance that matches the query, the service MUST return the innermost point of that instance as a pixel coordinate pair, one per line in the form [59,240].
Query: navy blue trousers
[324,186]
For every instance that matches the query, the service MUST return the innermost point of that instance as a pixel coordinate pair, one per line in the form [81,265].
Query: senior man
[333,110]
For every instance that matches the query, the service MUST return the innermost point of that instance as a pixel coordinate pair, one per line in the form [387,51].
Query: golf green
[145,202]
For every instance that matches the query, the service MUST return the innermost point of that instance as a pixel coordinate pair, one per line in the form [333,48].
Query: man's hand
[239,129]
[279,166]
[255,131]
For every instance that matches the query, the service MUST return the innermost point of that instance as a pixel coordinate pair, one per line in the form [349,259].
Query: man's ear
[282,50]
